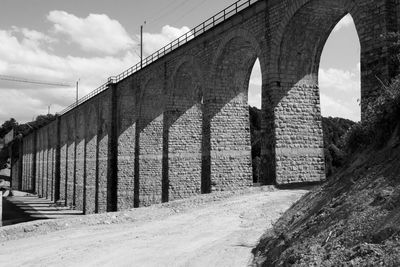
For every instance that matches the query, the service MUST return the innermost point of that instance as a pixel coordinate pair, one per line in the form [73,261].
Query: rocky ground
[354,220]
[210,230]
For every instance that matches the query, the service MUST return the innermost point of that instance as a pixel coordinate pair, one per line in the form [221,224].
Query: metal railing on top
[196,31]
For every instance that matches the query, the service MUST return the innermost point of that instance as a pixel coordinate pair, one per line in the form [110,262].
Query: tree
[7,126]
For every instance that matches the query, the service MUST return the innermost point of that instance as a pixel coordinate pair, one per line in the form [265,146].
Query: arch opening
[339,77]
[299,144]
[254,99]
[339,80]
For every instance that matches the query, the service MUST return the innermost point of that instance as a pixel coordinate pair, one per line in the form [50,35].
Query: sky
[62,41]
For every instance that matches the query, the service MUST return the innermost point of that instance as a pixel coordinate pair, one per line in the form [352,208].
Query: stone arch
[183,131]
[375,61]
[293,88]
[194,69]
[227,144]
[335,11]
[242,34]
[149,143]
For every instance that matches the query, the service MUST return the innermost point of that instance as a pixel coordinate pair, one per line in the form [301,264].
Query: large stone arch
[371,26]
[227,144]
[183,131]
[293,91]
[149,143]
[243,34]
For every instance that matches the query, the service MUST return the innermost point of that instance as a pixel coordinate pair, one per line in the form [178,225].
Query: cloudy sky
[62,41]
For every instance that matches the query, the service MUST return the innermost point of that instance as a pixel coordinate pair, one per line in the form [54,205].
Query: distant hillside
[334,129]
[255,130]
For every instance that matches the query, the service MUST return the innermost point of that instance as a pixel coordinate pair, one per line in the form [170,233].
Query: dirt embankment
[354,220]
[209,230]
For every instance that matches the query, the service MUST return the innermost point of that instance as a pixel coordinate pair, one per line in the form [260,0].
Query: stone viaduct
[179,125]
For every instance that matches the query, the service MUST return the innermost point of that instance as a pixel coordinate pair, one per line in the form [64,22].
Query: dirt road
[220,233]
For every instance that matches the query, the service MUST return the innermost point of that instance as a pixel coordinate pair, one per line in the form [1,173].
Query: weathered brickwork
[27,174]
[63,159]
[183,131]
[127,115]
[103,149]
[80,159]
[180,126]
[91,167]
[150,134]
[71,160]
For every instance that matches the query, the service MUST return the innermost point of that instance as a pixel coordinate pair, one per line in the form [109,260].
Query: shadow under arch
[149,144]
[227,144]
[294,92]
[182,157]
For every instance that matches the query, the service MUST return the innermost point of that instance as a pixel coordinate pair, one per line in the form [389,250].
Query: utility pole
[77,91]
[48,109]
[141,45]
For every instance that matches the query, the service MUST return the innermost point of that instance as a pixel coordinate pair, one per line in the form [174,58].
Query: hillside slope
[353,220]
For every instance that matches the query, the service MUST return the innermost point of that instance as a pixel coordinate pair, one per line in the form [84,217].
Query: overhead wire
[24,80]
[189,11]
[172,9]
[162,9]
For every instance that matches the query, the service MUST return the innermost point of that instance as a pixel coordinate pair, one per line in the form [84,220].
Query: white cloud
[344,22]
[96,32]
[256,76]
[155,41]
[22,59]
[33,38]
[30,54]
[339,80]
[255,85]
[340,93]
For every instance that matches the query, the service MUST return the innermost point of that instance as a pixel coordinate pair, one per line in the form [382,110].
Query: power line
[24,80]
[172,9]
[162,9]
[189,11]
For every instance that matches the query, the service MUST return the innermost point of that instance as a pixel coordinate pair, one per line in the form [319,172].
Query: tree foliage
[381,117]
[7,126]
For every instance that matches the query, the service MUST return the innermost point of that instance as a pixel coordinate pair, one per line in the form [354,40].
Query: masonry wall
[91,158]
[28,148]
[180,126]
[127,116]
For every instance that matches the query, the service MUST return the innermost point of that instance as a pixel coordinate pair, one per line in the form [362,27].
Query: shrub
[381,117]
